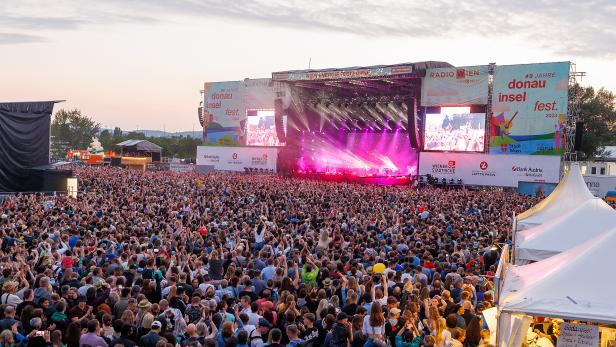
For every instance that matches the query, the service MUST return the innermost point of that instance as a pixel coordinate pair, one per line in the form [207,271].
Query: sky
[141,64]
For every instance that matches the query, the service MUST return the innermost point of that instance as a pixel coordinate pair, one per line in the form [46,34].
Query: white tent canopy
[591,219]
[575,284]
[570,193]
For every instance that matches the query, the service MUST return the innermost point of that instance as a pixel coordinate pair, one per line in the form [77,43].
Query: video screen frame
[473,109]
[262,113]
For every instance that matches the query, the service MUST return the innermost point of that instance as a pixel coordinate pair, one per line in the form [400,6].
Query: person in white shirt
[253,316]
[9,298]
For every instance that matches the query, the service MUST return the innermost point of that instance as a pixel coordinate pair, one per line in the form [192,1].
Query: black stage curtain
[24,141]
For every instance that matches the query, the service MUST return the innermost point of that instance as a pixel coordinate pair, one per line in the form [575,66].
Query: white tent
[590,219]
[575,284]
[570,193]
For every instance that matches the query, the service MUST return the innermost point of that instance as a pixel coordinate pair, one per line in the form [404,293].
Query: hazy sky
[141,63]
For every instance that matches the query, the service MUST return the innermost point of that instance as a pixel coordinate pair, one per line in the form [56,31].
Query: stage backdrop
[490,170]
[24,142]
[529,109]
[237,158]
[455,86]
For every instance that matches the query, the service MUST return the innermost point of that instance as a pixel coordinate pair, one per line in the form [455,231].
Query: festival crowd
[180,259]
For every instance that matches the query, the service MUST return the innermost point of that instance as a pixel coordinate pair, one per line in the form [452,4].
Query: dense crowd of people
[164,259]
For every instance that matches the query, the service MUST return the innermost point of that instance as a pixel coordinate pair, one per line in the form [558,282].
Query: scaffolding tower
[573,109]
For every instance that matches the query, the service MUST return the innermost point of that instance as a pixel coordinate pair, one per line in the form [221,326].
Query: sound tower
[279,121]
[412,123]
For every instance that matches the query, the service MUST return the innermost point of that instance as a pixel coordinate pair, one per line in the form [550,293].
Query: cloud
[583,28]
[39,23]
[17,38]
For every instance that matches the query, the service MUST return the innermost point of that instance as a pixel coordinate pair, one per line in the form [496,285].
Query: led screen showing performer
[455,129]
[261,128]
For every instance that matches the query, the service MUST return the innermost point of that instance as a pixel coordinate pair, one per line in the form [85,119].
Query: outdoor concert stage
[353,124]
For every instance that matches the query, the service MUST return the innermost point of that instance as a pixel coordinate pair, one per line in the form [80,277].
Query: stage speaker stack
[278,120]
[412,123]
[579,134]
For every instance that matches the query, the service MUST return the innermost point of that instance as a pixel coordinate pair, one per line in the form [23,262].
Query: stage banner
[600,185]
[237,158]
[309,75]
[490,170]
[224,113]
[529,109]
[455,86]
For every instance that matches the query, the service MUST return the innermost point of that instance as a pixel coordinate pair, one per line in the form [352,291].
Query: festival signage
[600,185]
[223,112]
[237,158]
[529,109]
[578,335]
[309,75]
[455,86]
[490,170]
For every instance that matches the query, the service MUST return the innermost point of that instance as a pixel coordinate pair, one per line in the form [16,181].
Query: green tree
[106,139]
[72,130]
[598,112]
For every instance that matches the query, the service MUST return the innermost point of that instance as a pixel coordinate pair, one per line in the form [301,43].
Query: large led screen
[261,128]
[455,129]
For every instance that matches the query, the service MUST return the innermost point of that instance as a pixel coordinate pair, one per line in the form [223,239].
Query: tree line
[70,129]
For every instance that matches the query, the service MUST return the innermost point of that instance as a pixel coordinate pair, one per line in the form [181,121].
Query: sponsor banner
[237,158]
[224,113]
[490,170]
[600,185]
[181,167]
[382,71]
[529,109]
[455,86]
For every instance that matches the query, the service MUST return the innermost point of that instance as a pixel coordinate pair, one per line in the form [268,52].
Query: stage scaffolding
[573,109]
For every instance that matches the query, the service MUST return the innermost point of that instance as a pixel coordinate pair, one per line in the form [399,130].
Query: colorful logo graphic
[483,165]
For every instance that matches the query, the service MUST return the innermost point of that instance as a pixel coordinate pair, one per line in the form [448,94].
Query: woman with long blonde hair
[441,335]
[321,308]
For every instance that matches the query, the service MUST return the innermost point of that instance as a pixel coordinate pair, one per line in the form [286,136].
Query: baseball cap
[156,325]
[264,323]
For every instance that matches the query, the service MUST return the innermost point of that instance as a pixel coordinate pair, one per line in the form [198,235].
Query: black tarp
[24,142]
